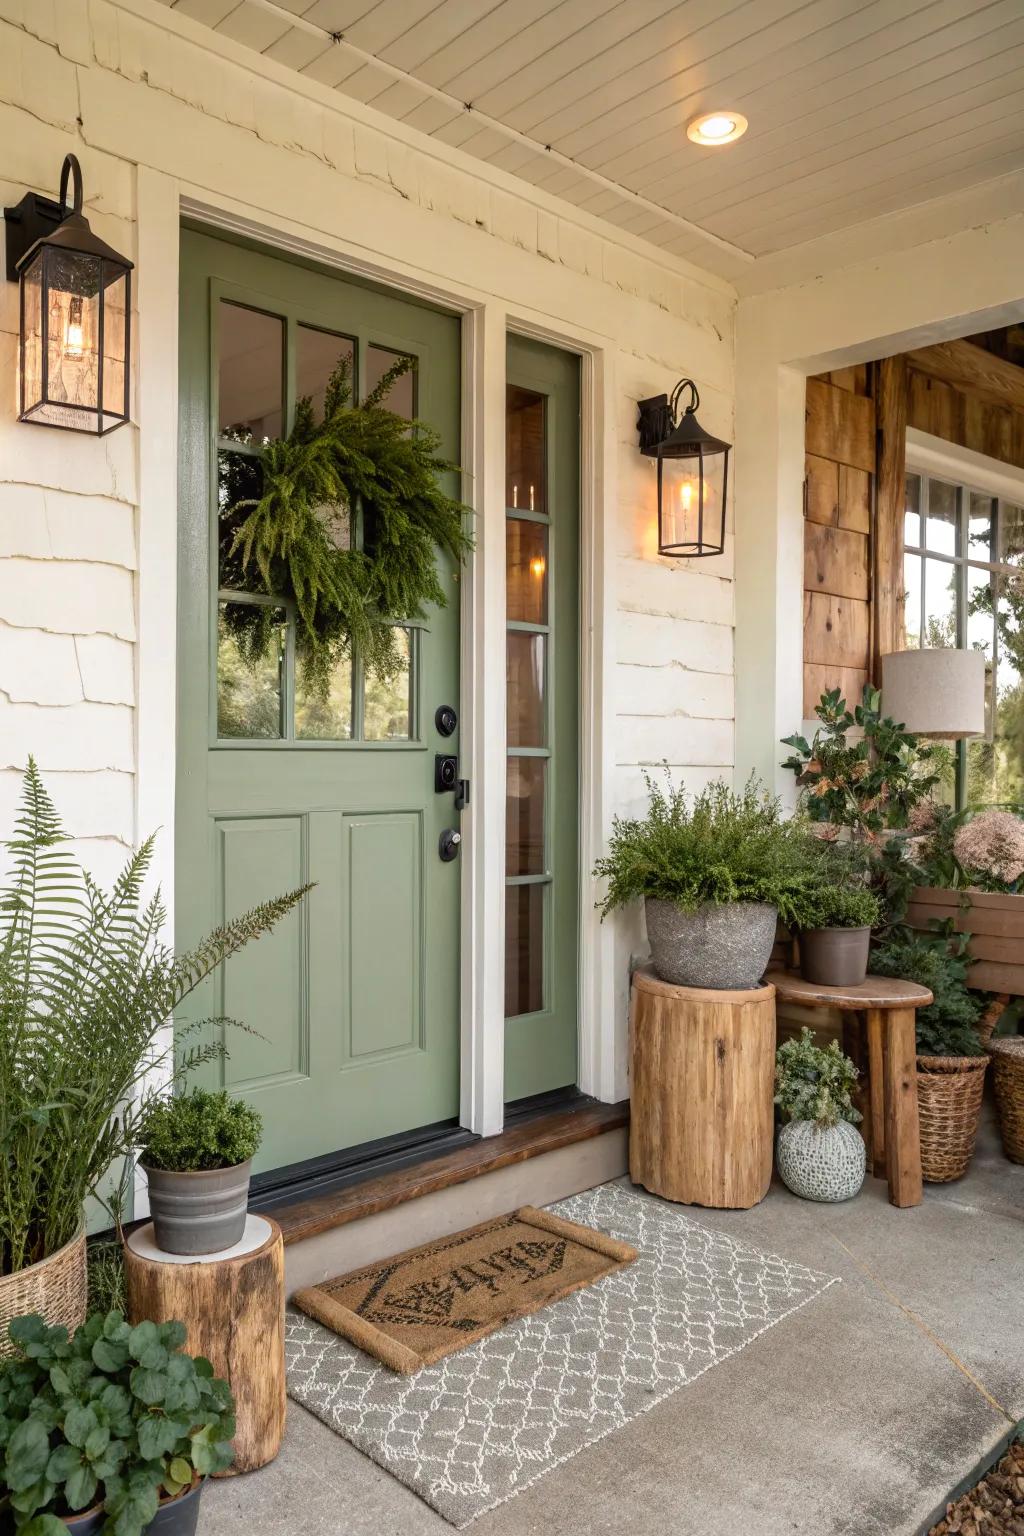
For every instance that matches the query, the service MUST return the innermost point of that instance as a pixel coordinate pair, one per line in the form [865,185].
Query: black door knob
[448,845]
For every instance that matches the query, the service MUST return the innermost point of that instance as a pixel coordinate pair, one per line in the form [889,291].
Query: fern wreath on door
[297,539]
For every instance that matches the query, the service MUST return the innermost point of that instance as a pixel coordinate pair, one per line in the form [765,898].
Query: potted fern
[714,877]
[819,1151]
[86,992]
[108,1433]
[197,1151]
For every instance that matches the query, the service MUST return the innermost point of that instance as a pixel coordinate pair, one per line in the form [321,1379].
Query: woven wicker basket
[55,1288]
[949,1092]
[1008,1066]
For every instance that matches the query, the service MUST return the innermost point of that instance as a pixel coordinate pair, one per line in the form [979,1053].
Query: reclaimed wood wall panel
[840,425]
[836,561]
[939,407]
[887,595]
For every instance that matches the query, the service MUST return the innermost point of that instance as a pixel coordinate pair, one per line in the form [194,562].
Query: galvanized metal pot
[175,1517]
[721,947]
[834,957]
[202,1212]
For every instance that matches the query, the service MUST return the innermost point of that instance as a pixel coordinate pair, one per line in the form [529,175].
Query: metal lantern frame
[667,435]
[41,230]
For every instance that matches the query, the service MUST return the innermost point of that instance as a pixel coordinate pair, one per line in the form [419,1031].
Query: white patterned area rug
[481,1425]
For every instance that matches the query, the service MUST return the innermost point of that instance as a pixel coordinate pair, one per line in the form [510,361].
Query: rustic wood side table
[879,1034]
[232,1304]
[702,1065]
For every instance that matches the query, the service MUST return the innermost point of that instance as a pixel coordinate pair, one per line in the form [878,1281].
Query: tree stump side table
[879,1034]
[702,1070]
[232,1304]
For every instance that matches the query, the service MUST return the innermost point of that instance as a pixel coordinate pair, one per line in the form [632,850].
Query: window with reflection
[963,570]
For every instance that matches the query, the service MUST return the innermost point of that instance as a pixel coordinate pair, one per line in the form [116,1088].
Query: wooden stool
[879,1034]
[232,1304]
[702,1067]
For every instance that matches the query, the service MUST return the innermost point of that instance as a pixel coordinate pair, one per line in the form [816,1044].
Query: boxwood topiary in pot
[819,1151]
[109,1432]
[197,1152]
[714,877]
[835,934]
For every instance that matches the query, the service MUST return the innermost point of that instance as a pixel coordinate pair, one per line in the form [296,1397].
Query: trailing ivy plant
[868,782]
[296,538]
[199,1130]
[814,1083]
[86,992]
[115,1417]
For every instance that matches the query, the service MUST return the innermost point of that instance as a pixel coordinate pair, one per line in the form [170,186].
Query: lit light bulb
[515,495]
[538,565]
[686,496]
[74,336]
[532,508]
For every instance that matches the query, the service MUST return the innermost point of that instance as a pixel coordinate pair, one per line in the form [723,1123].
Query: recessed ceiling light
[716,127]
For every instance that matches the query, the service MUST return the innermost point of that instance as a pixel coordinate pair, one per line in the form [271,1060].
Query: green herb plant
[814,1083]
[938,961]
[726,847]
[870,783]
[361,464]
[116,1417]
[840,906]
[199,1130]
[86,992]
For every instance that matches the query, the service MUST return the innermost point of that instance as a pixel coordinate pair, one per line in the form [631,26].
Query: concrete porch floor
[856,1416]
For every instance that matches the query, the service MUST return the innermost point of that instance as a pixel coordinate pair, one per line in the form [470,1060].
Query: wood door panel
[383,932]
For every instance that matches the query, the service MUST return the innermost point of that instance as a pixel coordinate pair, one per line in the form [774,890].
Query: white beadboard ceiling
[857,108]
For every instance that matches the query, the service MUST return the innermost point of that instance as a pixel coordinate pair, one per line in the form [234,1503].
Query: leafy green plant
[869,783]
[86,990]
[115,1416]
[939,961]
[840,906]
[727,847]
[295,539]
[199,1130]
[814,1083]
[107,1284]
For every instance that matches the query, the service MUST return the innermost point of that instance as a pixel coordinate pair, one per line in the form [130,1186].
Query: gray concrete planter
[834,957]
[821,1162]
[201,1212]
[720,947]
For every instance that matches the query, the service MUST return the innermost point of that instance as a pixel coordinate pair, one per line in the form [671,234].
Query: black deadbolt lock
[446,720]
[446,773]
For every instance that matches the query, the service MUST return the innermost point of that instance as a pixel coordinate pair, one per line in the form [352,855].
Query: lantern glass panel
[115,345]
[692,504]
[32,337]
[72,339]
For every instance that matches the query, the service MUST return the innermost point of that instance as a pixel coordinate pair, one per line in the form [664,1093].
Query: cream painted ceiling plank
[774,100]
[905,194]
[253,26]
[486,38]
[298,49]
[339,15]
[887,172]
[398,99]
[365,82]
[331,68]
[833,110]
[431,115]
[885,132]
[210,12]
[446,23]
[514,156]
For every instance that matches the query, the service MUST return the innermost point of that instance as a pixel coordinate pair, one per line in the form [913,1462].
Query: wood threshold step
[545,1133]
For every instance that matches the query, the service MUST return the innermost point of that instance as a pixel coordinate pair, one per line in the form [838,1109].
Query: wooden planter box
[996,924]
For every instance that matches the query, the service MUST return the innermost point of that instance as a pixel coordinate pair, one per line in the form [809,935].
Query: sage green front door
[354,1000]
[542,513]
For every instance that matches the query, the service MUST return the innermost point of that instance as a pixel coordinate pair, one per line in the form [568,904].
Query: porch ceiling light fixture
[75,313]
[693,469]
[716,128]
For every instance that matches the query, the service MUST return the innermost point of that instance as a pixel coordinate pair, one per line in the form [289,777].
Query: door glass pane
[401,397]
[940,627]
[912,604]
[1011,534]
[249,693]
[526,570]
[525,692]
[524,949]
[317,354]
[912,515]
[239,479]
[251,358]
[941,517]
[525,477]
[325,719]
[979,526]
[524,816]
[387,703]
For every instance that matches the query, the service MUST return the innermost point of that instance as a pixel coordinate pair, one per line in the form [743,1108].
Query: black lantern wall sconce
[75,313]
[693,470]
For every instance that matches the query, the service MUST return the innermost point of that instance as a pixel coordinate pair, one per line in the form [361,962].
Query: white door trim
[482,706]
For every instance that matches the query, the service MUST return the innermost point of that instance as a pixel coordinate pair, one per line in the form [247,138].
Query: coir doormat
[414,1309]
